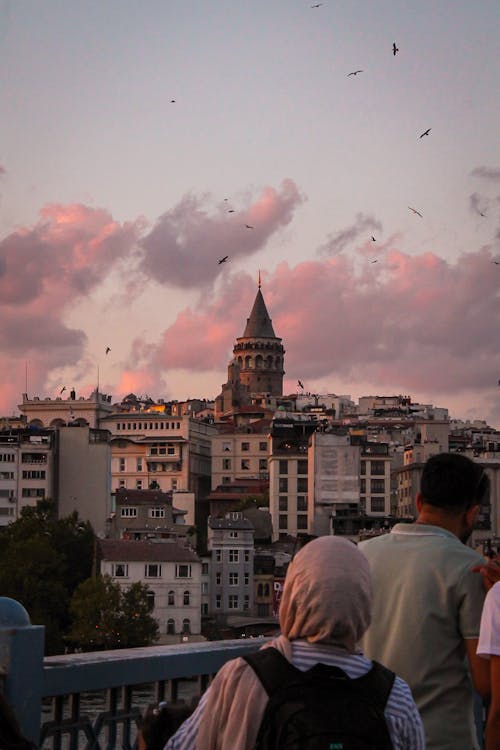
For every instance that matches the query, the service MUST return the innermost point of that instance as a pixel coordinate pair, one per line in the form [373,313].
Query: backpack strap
[274,671]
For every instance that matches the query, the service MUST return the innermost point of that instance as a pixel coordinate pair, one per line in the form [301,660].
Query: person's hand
[490,570]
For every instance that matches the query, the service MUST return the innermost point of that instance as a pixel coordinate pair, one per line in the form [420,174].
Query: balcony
[60,682]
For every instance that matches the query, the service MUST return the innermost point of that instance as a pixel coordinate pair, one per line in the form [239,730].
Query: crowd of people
[391,643]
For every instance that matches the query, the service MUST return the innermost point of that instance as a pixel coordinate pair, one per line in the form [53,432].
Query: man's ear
[419,501]
[471,514]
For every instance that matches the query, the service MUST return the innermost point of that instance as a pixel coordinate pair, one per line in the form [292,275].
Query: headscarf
[327,594]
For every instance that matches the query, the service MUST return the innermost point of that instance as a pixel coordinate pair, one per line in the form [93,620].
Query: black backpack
[323,708]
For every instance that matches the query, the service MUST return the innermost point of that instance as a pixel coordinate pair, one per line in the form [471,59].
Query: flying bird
[248,226]
[172,101]
[496,262]
[426,132]
[300,384]
[373,239]
[416,212]
[482,213]
[108,349]
[62,389]
[374,261]
[230,211]
[317,5]
[395,49]
[354,73]
[223,260]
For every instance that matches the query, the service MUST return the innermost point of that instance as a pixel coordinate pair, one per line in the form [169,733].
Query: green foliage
[42,560]
[105,616]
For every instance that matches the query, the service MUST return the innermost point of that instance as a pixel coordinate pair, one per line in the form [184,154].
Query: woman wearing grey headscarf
[324,611]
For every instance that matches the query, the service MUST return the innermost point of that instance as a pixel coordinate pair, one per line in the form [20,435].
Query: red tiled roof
[145,551]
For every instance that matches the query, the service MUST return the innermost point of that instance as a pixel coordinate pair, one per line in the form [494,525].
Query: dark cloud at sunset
[361,230]
[487,173]
[184,246]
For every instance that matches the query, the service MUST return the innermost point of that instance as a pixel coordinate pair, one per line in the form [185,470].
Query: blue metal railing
[29,680]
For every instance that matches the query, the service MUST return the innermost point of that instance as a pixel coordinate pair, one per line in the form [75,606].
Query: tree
[105,616]
[42,560]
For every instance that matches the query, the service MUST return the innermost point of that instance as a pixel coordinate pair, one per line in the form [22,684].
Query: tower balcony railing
[48,694]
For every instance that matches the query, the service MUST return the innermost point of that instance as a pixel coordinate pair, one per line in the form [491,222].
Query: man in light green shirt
[428,601]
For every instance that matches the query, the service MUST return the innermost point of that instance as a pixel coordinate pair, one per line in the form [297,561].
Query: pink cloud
[184,246]
[418,321]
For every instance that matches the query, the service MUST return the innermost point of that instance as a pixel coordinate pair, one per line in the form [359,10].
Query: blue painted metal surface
[29,679]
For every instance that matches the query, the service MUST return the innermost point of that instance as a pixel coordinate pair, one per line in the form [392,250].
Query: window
[157,512]
[301,522]
[204,569]
[226,480]
[247,555]
[362,486]
[363,467]
[204,609]
[283,484]
[226,447]
[263,445]
[7,458]
[186,598]
[283,503]
[283,467]
[119,570]
[6,475]
[302,502]
[246,602]
[378,468]
[262,464]
[234,555]
[186,626]
[32,475]
[174,484]
[121,462]
[152,570]
[150,597]
[33,492]
[377,485]
[260,590]
[233,535]
[301,484]
[246,578]
[171,598]
[138,484]
[233,601]
[301,466]
[226,464]
[171,450]
[204,587]
[245,464]
[233,579]
[245,446]
[122,484]
[218,555]
[283,522]
[378,504]
[183,571]
[170,627]
[218,601]
[139,464]
[127,512]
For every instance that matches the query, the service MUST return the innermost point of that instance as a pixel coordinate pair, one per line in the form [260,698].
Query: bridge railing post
[21,665]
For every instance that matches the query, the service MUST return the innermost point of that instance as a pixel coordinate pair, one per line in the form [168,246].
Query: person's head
[452,488]
[327,594]
[159,723]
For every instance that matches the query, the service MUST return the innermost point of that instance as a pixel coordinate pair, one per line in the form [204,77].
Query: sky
[138,141]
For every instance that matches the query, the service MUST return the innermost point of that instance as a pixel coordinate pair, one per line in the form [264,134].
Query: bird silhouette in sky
[374,261]
[373,239]
[299,383]
[108,349]
[317,5]
[62,389]
[416,212]
[172,101]
[496,262]
[482,213]
[426,132]
[230,211]
[395,49]
[354,73]
[248,226]
[223,260]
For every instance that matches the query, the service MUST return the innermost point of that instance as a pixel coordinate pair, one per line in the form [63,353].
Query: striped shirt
[403,720]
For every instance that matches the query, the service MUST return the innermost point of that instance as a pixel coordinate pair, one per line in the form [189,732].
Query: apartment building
[172,572]
[231,542]
[26,470]
[239,456]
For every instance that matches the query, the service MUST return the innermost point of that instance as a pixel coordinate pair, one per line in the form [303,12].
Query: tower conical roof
[259,323]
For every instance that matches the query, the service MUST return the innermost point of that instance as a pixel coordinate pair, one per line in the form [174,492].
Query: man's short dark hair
[453,482]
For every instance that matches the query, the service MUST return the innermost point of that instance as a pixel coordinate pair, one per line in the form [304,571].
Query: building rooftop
[145,551]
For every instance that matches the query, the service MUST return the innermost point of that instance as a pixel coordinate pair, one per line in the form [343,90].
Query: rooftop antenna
[26,376]
[259,279]
[97,389]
